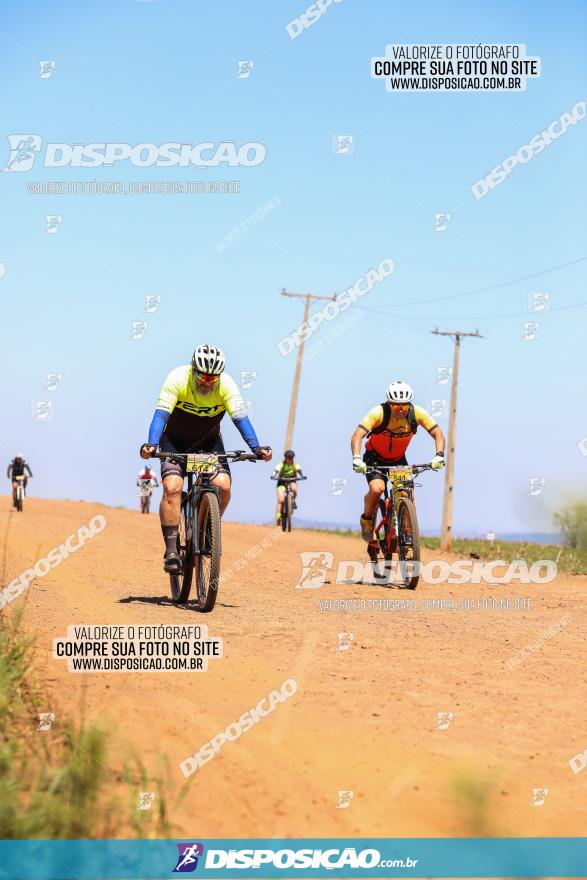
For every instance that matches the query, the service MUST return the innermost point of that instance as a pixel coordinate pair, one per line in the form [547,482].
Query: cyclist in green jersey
[287,468]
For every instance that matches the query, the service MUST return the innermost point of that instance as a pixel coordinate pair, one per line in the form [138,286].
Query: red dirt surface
[363,720]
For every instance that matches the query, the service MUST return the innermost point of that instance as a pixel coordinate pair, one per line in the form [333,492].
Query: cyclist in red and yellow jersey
[389,429]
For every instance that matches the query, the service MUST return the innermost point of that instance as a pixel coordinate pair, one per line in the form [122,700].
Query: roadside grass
[58,784]
[568,559]
[472,794]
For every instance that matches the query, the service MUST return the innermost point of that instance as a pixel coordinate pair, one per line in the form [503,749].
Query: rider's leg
[171,500]
[294,491]
[367,521]
[222,480]
[169,510]
[280,497]
[376,488]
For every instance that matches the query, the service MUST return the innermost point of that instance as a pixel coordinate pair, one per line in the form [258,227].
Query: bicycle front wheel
[288,504]
[408,544]
[210,543]
[19,497]
[181,583]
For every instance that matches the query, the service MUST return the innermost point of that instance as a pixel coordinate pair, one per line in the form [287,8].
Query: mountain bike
[19,494]
[289,505]
[396,527]
[199,540]
[145,493]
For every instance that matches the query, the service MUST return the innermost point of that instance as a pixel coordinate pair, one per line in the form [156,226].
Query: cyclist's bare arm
[357,439]
[438,436]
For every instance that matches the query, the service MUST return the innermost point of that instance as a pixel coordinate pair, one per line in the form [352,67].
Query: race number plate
[198,463]
[400,476]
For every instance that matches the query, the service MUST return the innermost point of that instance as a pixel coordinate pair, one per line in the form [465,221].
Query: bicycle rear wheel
[181,583]
[210,542]
[408,543]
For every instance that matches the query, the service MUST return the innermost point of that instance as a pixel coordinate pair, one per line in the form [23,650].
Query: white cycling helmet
[208,359]
[399,392]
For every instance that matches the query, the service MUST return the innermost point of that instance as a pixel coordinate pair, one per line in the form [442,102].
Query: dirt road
[363,720]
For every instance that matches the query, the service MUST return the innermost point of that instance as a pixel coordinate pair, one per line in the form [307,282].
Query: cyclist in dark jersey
[191,405]
[17,468]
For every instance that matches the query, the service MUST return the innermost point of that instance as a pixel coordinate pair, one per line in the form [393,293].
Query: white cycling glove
[359,465]
[437,462]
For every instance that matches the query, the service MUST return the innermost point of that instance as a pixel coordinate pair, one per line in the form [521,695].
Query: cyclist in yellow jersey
[287,468]
[389,429]
[191,405]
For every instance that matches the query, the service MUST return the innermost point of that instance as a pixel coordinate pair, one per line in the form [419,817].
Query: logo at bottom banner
[187,860]
[282,858]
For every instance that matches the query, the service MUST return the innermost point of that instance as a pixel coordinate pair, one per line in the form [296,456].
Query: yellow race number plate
[198,463]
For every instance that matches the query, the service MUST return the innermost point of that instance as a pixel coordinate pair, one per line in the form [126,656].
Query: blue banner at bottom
[330,857]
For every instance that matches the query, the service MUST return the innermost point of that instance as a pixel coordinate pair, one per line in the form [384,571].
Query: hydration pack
[411,417]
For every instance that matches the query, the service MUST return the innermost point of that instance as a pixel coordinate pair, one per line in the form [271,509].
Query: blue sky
[162,72]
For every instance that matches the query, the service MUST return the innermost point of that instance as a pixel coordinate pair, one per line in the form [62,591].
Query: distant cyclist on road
[15,469]
[287,468]
[146,482]
[147,475]
[192,403]
[389,428]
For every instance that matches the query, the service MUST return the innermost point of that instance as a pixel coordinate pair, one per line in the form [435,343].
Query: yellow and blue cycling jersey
[187,416]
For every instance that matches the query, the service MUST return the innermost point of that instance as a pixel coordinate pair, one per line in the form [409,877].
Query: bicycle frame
[201,482]
[199,538]
[400,477]
[400,488]
[195,489]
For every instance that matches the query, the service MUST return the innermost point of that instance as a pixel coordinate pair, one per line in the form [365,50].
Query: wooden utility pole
[309,298]
[446,527]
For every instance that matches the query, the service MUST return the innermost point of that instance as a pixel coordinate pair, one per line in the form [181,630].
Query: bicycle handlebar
[288,479]
[237,455]
[414,468]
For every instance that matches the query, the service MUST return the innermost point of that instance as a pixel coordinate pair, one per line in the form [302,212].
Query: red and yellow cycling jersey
[390,434]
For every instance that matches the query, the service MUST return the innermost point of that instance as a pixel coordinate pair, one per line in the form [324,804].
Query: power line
[475,317]
[425,302]
[557,362]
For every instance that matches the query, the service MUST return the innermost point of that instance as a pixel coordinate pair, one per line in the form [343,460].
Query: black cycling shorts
[371,459]
[176,467]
